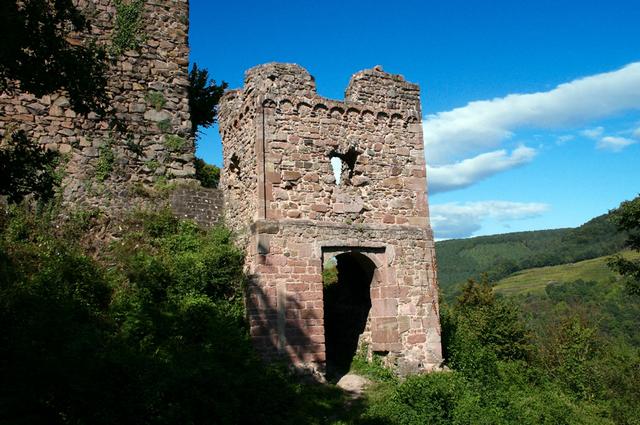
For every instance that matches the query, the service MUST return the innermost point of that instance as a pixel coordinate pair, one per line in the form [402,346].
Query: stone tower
[312,184]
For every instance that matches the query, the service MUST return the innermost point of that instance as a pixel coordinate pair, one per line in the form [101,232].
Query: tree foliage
[627,218]
[208,175]
[204,95]
[27,168]
[36,52]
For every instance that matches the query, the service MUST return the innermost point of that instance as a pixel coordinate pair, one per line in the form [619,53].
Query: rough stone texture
[141,154]
[282,198]
[202,205]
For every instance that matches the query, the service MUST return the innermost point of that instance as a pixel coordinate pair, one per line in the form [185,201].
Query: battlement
[390,91]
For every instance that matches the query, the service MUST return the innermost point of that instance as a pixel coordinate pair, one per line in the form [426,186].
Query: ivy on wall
[128,31]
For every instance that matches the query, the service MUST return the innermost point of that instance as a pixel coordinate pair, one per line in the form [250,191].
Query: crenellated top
[280,78]
[372,96]
[384,90]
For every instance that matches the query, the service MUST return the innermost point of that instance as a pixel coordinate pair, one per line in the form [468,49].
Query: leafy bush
[208,175]
[154,335]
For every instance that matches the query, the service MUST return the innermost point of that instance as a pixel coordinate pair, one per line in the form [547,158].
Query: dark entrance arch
[347,302]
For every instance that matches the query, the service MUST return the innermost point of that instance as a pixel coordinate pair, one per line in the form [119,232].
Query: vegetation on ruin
[106,161]
[128,32]
[155,99]
[174,143]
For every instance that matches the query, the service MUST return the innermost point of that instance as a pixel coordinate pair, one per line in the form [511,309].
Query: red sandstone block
[273,177]
[388,219]
[385,337]
[320,208]
[384,307]
[291,175]
[416,338]
[312,278]
[297,287]
[310,296]
[315,313]
[375,293]
[384,323]
[389,292]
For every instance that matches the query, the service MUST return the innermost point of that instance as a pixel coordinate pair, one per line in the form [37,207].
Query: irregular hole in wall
[343,165]
[234,167]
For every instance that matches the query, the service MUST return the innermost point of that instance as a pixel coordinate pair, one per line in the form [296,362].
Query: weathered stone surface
[279,138]
[161,66]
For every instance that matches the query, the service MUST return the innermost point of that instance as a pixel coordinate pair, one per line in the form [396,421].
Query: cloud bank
[462,140]
[461,220]
[466,172]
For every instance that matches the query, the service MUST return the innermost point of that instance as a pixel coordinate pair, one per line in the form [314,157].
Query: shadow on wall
[301,326]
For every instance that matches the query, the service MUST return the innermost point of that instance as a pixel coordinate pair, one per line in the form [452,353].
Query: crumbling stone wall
[147,91]
[293,213]
[200,204]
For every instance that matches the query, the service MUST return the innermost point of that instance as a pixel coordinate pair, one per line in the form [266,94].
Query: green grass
[535,280]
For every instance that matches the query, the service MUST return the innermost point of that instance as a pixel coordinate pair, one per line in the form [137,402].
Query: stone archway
[347,303]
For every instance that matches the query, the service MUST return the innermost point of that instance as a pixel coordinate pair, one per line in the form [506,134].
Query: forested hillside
[501,255]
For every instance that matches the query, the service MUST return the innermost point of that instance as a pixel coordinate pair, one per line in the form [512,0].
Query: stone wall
[147,92]
[285,137]
[203,205]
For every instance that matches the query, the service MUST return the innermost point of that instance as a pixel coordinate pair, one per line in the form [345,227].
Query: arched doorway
[347,301]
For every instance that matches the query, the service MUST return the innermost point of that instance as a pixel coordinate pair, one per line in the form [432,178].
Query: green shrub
[106,161]
[155,99]
[174,142]
[208,175]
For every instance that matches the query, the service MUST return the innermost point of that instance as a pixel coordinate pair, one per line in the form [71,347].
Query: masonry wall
[298,212]
[153,142]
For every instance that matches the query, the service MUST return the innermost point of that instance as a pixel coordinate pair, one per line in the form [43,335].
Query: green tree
[204,95]
[37,56]
[27,168]
[627,218]
[207,174]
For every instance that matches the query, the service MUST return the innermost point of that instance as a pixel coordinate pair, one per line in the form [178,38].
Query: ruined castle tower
[312,184]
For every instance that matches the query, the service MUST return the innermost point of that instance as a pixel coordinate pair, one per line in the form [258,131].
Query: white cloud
[593,133]
[460,220]
[483,125]
[636,133]
[464,173]
[461,144]
[614,144]
[561,140]
[610,143]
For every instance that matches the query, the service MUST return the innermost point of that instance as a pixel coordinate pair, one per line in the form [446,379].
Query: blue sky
[531,109]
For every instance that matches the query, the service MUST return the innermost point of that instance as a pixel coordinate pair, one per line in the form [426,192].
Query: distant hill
[501,255]
[535,281]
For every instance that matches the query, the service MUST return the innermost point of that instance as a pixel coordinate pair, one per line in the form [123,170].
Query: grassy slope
[501,255]
[536,279]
